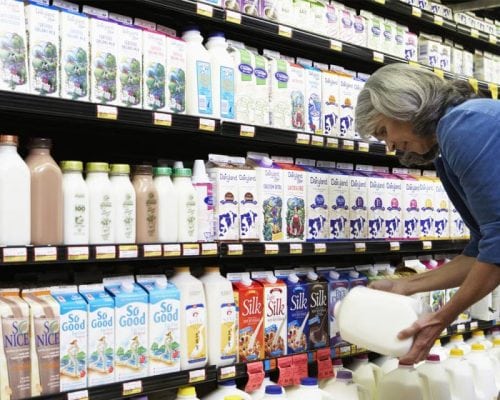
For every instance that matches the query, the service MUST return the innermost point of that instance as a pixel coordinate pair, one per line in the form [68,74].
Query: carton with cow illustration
[347,99]
[393,228]
[410,204]
[457,225]
[314,118]
[330,89]
[376,201]
[248,201]
[427,190]
[441,212]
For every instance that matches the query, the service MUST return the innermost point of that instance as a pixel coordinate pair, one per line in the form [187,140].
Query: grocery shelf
[468,327]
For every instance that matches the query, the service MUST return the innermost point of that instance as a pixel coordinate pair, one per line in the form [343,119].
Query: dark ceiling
[482,8]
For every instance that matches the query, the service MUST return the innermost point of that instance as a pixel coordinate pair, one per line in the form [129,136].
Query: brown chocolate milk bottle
[46,194]
[146,203]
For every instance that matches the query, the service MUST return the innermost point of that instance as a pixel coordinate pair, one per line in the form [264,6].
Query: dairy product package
[270,9]
[457,60]
[330,89]
[441,212]
[250,7]
[73,311]
[333,16]
[281,110]
[75,55]
[154,45]
[131,327]
[260,100]
[357,86]
[164,324]
[427,191]
[389,36]
[175,84]
[347,98]
[217,3]
[244,84]
[286,13]
[467,63]
[44,341]
[314,119]
[14,74]
[429,52]
[357,202]
[410,204]
[484,66]
[319,20]
[457,225]
[445,57]
[374,30]
[411,46]
[360,37]
[376,203]
[249,203]
[347,24]
[393,216]
[42,23]
[297,83]
[303,16]
[101,335]
[318,311]
[399,46]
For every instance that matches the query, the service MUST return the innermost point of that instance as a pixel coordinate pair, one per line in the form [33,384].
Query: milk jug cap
[308,381]
[119,169]
[477,347]
[187,391]
[217,35]
[127,287]
[67,166]
[274,389]
[182,172]
[233,397]
[97,167]
[433,358]
[229,383]
[334,275]
[312,276]
[162,171]
[144,169]
[404,365]
[338,362]
[178,164]
[496,342]
[433,263]
[293,278]
[9,139]
[191,28]
[457,338]
[437,343]
[267,162]
[456,352]
[40,143]
[344,375]
[478,333]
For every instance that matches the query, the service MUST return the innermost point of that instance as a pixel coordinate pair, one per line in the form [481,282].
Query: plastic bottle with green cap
[101,214]
[167,206]
[125,203]
[187,207]
[146,197]
[186,393]
[76,203]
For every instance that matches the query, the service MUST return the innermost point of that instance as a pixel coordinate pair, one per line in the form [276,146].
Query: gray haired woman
[433,120]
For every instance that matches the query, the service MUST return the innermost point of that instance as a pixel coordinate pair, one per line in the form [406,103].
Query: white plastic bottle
[366,374]
[494,354]
[274,392]
[225,389]
[457,341]
[101,214]
[125,203]
[15,195]
[386,364]
[460,376]
[344,388]
[75,203]
[168,224]
[483,372]
[434,379]
[223,76]
[194,317]
[402,383]
[187,205]
[186,393]
[439,350]
[199,86]
[222,342]
[261,392]
[478,337]
[204,202]
[308,389]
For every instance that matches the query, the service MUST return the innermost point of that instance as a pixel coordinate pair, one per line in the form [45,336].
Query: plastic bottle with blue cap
[274,392]
[308,389]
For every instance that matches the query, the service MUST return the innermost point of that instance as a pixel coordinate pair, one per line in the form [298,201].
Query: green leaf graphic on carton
[130,79]
[45,63]
[177,89]
[76,67]
[105,76]
[155,84]
[13,60]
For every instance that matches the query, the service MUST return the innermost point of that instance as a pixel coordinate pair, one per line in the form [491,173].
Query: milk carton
[244,84]
[427,216]
[374,29]
[261,90]
[410,204]
[468,63]
[175,89]
[457,60]
[303,17]
[42,23]
[314,118]
[154,46]
[131,327]
[442,212]
[388,36]
[346,106]
[101,335]
[358,84]
[269,9]
[333,16]
[457,225]
[14,56]
[298,96]
[411,46]
[318,10]
[15,378]
[249,203]
[250,7]
[360,37]
[286,13]
[73,311]
[44,341]
[347,24]
[249,300]
[330,93]
[393,199]
[164,324]
[376,203]
[281,110]
[399,47]
[275,314]
[318,311]
[429,52]
[357,202]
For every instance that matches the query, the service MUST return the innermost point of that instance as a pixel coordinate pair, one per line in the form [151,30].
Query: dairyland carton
[457,225]
[347,98]
[131,327]
[281,106]
[358,84]
[154,47]
[176,75]
[442,212]
[101,334]
[74,328]
[297,82]
[411,46]
[330,89]
[410,204]
[357,202]
[248,200]
[164,324]
[393,226]
[376,204]
[314,118]
[427,190]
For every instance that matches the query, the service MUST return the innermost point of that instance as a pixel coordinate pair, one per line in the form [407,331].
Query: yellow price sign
[416,12]
[439,72]
[494,90]
[473,82]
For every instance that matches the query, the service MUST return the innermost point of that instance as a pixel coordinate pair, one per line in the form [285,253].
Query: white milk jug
[124,200]
[366,374]
[460,376]
[101,214]
[274,392]
[204,202]
[457,342]
[483,372]
[402,383]
[337,365]
[478,337]
[494,355]
[308,389]
[227,388]
[386,364]
[434,379]
[439,350]
[167,206]
[343,388]
[261,392]
[186,393]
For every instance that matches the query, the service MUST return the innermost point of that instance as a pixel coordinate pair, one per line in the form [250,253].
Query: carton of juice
[164,324]
[318,311]
[297,76]
[154,47]
[248,201]
[44,341]
[281,109]
[330,89]
[131,327]
[249,300]
[176,75]
[101,334]
[74,329]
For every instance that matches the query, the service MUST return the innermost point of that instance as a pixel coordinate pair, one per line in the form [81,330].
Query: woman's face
[398,135]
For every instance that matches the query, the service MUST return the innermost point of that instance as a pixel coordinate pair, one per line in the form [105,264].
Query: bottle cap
[190,28]
[217,34]
[187,391]
[309,381]
[433,357]
[274,389]
[233,397]
[334,275]
[478,333]
[230,382]
[199,172]
[144,169]
[68,166]
[344,375]
[97,167]
[456,352]
[182,172]
[338,362]
[9,139]
[433,263]
[162,171]
[496,342]
[404,365]
[178,164]
[457,338]
[40,143]
[312,276]
[477,347]
[354,274]
[119,169]
[293,278]
[437,343]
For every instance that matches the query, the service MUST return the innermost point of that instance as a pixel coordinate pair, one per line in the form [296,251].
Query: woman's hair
[406,93]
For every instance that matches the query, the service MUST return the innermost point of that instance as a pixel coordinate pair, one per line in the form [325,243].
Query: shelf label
[295,248]
[255,372]
[152,250]
[363,147]
[209,249]
[325,368]
[285,31]
[162,119]
[394,246]
[285,371]
[299,367]
[197,375]
[332,143]
[271,249]
[227,372]
[45,254]
[493,87]
[15,254]
[345,350]
[379,1]
[80,395]
[416,12]
[207,125]
[78,253]
[390,152]
[130,388]
[427,245]
[319,248]
[318,141]
[205,10]
[234,17]
[473,325]
[348,145]
[414,64]
[493,39]
[378,57]
[359,247]
[107,112]
[335,45]
[438,20]
[474,83]
[439,72]
[190,249]
[128,251]
[460,328]
[234,249]
[303,138]
[247,131]
[474,33]
[105,252]
[171,250]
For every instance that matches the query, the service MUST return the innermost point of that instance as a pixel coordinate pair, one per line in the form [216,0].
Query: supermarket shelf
[468,327]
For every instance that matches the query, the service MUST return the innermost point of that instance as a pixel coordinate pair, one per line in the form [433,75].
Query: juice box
[248,200]
[244,84]
[176,75]
[297,83]
[261,90]
[330,89]
[314,119]
[101,334]
[318,311]
[410,204]
[73,311]
[154,47]
[281,110]
[347,98]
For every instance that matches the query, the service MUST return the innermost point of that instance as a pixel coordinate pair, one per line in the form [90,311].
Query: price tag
[325,367]
[255,372]
[345,350]
[378,57]
[494,90]
[105,252]
[285,371]
[107,112]
[295,248]
[303,138]
[271,249]
[380,1]
[227,372]
[130,388]
[197,375]
[319,248]
[171,250]
[493,39]
[152,250]
[317,140]
[247,131]
[78,253]
[439,72]
[427,245]
[80,395]
[190,249]
[234,249]
[162,119]
[394,246]
[205,10]
[359,247]
[438,20]
[460,328]
[209,249]
[364,147]
[299,366]
[45,254]
[207,125]
[233,17]
[348,145]
[285,31]
[332,143]
[389,152]
[473,325]
[474,33]
[474,83]
[128,251]
[416,12]
[414,64]
[335,45]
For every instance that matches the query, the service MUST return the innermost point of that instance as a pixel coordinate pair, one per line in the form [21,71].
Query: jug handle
[427,387]
[363,393]
[377,372]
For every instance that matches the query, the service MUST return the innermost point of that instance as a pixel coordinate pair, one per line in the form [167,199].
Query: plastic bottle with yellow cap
[479,337]
[186,393]
[483,372]
[494,355]
[460,375]
[457,341]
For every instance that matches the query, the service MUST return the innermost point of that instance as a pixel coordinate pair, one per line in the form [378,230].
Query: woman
[429,119]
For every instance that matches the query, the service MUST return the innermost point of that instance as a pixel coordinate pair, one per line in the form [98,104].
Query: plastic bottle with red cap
[402,383]
[434,379]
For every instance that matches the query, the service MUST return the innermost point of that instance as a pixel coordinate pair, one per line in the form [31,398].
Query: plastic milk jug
[366,374]
[434,379]
[483,372]
[457,341]
[167,205]
[186,393]
[187,201]
[386,364]
[478,337]
[274,392]
[308,389]
[402,383]
[439,350]
[460,376]
[124,201]
[494,355]
[261,392]
[193,312]
[227,388]
[344,388]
